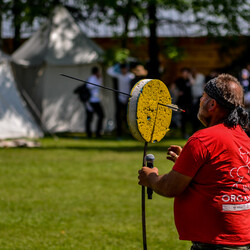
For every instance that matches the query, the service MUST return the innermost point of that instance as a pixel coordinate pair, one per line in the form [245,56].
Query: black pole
[144,234]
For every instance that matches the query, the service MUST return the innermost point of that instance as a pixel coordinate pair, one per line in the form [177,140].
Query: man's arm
[112,72]
[168,185]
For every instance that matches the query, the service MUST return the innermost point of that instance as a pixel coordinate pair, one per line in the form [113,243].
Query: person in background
[184,101]
[139,72]
[93,105]
[244,78]
[197,87]
[210,179]
[176,116]
[124,77]
[212,74]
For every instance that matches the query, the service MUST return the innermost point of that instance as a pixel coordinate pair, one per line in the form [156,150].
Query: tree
[24,12]
[153,65]
[2,11]
[214,17]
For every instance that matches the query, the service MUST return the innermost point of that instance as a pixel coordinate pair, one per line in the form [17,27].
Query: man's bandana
[215,93]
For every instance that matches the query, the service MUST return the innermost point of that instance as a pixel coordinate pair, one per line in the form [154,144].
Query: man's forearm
[159,183]
[169,185]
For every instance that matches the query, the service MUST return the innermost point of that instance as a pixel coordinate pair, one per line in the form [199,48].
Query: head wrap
[215,93]
[237,114]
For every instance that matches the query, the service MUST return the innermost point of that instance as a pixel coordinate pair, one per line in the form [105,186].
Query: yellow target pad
[148,120]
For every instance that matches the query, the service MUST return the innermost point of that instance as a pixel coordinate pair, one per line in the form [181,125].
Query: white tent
[59,46]
[15,119]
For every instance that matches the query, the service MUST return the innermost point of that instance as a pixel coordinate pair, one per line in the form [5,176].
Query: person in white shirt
[197,88]
[93,105]
[244,78]
[124,78]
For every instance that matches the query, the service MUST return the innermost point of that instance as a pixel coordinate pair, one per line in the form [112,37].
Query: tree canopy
[139,18]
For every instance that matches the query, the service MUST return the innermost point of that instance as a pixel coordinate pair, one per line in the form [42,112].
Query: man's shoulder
[216,131]
[221,133]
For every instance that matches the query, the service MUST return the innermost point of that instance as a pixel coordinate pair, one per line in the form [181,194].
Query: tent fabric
[59,41]
[58,47]
[15,119]
[3,56]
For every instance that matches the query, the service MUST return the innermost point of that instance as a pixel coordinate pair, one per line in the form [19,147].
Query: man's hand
[147,176]
[174,152]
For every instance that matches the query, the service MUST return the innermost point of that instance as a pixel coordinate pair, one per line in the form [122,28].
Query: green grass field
[74,193]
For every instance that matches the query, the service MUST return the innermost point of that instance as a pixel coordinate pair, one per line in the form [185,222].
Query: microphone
[150,164]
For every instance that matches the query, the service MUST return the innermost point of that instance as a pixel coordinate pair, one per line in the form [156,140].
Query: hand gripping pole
[150,164]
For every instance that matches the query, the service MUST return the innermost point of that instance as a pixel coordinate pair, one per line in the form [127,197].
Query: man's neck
[218,117]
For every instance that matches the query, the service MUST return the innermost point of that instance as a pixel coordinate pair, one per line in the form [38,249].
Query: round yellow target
[148,119]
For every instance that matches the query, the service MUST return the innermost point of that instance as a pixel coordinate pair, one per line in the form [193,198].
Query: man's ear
[212,105]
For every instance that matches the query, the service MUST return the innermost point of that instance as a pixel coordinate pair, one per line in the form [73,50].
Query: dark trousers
[121,118]
[185,118]
[196,124]
[96,108]
[205,246]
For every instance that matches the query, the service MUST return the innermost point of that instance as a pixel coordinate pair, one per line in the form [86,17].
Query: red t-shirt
[215,207]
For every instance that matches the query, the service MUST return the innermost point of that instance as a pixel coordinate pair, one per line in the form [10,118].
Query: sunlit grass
[74,193]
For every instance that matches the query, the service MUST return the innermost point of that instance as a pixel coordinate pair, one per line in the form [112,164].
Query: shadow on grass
[110,148]
[79,141]
[108,143]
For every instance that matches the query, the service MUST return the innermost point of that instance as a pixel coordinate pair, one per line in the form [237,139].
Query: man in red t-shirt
[210,179]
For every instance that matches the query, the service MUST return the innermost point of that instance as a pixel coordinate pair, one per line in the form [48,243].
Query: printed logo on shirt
[239,174]
[239,207]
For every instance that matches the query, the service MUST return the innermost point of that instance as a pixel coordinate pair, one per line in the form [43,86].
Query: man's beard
[202,119]
[202,114]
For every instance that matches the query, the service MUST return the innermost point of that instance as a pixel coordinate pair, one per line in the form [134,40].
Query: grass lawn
[76,193]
